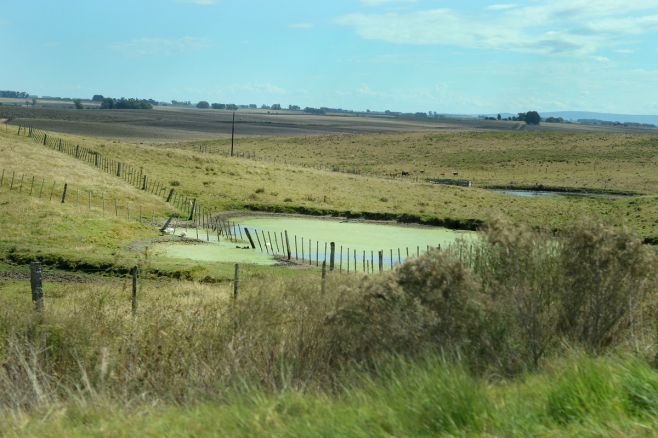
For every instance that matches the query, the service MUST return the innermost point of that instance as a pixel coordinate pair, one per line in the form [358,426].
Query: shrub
[607,274]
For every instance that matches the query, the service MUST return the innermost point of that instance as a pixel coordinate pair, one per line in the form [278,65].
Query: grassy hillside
[600,161]
[223,183]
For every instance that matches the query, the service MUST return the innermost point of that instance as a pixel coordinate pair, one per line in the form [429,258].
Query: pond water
[541,193]
[357,243]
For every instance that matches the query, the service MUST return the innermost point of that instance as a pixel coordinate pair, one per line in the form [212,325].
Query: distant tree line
[123,103]
[607,123]
[14,94]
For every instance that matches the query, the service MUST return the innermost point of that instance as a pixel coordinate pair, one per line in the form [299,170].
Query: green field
[543,325]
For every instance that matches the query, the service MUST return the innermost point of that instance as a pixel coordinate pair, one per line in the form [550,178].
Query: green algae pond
[357,242]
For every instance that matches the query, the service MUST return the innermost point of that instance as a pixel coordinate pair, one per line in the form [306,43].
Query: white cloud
[198,2]
[556,27]
[159,46]
[301,26]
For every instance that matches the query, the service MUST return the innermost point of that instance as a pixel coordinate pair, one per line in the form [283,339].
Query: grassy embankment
[223,183]
[80,234]
[450,343]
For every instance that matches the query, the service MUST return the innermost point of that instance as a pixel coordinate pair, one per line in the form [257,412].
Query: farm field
[176,124]
[498,335]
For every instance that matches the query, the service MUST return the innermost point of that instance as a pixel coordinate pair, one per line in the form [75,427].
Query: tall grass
[499,308]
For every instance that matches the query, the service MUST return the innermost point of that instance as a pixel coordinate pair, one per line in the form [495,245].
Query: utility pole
[232,133]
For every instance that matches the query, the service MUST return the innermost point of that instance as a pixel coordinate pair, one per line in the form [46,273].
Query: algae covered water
[357,243]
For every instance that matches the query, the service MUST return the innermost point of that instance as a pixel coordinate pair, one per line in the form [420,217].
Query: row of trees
[14,94]
[123,103]
[531,118]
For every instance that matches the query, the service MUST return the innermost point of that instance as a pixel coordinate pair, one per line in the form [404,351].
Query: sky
[447,56]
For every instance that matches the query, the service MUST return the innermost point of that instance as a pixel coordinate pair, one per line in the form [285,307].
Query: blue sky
[410,55]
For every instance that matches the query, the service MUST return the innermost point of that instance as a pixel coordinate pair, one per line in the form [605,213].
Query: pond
[541,193]
[357,243]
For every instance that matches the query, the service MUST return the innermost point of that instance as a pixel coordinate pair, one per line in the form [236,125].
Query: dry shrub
[607,275]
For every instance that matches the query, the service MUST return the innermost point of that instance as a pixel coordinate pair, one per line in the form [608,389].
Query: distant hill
[621,118]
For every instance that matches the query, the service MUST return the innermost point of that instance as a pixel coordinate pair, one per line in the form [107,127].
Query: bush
[606,274]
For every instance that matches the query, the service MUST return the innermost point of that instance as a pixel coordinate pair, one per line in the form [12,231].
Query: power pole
[232,133]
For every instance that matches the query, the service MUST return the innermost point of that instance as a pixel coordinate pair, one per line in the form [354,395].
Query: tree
[499,117]
[218,106]
[97,98]
[77,103]
[276,106]
[203,105]
[532,118]
[107,103]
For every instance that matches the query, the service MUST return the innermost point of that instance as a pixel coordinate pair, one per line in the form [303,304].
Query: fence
[64,193]
[209,220]
[130,174]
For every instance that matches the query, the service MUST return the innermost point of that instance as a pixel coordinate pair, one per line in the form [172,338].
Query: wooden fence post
[192,210]
[251,241]
[37,286]
[288,245]
[135,275]
[324,276]
[118,169]
[171,194]
[144,182]
[381,260]
[236,281]
[166,224]
[332,254]
[64,192]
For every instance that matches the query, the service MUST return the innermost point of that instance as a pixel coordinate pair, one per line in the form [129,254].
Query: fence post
[144,182]
[171,194]
[36,284]
[97,159]
[381,260]
[332,254]
[288,245]
[324,276]
[135,274]
[118,168]
[45,139]
[64,192]
[236,281]
[251,241]
[192,210]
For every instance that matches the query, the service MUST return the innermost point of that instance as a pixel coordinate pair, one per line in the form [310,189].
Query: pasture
[542,324]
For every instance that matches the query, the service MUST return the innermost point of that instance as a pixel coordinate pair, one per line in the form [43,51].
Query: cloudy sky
[411,55]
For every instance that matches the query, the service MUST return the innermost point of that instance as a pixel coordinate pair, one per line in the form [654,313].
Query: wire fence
[201,220]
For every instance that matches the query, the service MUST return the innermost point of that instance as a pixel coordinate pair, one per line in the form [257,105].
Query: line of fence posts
[36,286]
[117,168]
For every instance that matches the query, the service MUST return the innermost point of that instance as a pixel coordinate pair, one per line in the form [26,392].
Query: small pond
[543,193]
[357,242]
